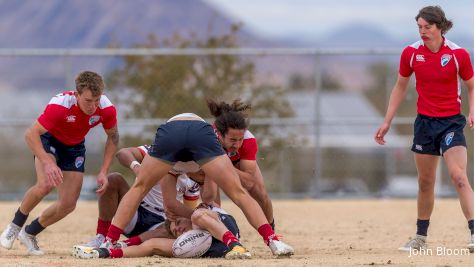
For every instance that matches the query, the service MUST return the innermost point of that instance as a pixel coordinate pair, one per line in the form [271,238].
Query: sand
[323,233]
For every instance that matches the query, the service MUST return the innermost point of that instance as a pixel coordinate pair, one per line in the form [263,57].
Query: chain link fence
[315,112]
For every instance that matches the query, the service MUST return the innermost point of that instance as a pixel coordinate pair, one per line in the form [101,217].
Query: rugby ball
[192,244]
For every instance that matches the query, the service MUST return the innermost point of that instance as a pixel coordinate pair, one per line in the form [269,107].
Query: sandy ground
[323,233]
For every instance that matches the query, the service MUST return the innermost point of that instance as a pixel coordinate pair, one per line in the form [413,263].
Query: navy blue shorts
[145,220]
[434,136]
[218,249]
[186,140]
[68,158]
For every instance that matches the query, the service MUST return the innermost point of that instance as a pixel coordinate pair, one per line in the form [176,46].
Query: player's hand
[381,132]
[203,205]
[102,184]
[53,173]
[170,215]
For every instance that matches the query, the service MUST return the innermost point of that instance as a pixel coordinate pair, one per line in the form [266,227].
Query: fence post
[317,124]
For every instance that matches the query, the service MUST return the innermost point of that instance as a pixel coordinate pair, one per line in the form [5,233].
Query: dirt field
[323,233]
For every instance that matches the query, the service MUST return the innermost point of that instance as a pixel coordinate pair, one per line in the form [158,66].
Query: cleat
[238,252]
[120,244]
[30,242]
[279,248]
[82,252]
[417,243]
[95,242]
[470,245]
[9,235]
[107,244]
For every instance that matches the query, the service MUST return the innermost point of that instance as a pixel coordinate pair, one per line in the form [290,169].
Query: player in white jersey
[221,225]
[151,212]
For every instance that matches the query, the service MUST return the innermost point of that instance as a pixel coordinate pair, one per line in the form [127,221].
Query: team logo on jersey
[71,118]
[94,119]
[449,137]
[420,58]
[232,154]
[444,60]
[78,162]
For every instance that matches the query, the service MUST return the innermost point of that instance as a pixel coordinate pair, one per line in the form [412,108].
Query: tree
[162,86]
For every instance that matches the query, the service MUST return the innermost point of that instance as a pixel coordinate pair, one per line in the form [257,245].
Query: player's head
[178,227]
[230,121]
[431,20]
[89,87]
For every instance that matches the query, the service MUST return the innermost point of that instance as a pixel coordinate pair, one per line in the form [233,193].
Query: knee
[197,216]
[67,207]
[426,184]
[459,179]
[44,188]
[115,179]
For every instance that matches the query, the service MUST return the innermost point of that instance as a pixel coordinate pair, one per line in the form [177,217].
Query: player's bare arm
[32,138]
[395,100]
[109,152]
[130,157]
[173,207]
[247,172]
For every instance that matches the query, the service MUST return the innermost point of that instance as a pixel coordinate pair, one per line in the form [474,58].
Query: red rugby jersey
[65,121]
[437,76]
[247,151]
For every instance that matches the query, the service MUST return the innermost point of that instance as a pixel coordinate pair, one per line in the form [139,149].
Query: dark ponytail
[229,115]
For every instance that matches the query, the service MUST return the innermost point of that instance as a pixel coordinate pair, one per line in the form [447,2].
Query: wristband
[134,164]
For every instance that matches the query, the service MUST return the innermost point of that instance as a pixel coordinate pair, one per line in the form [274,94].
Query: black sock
[422,226]
[272,224]
[34,227]
[233,244]
[19,218]
[470,226]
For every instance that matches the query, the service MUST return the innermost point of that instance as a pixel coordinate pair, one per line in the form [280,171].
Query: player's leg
[426,170]
[221,170]
[151,171]
[456,159]
[209,220]
[31,199]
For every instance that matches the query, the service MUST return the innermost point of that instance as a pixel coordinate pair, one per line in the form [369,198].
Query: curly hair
[435,15]
[229,115]
[88,80]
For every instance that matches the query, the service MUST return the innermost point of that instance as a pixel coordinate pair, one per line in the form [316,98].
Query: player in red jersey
[438,130]
[57,141]
[241,147]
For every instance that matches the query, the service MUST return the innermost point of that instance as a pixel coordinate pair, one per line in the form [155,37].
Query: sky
[287,18]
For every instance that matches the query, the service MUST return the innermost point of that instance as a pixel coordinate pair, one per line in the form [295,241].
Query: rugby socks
[114,233]
[470,226]
[133,241]
[229,238]
[34,227]
[267,233]
[422,226]
[20,218]
[116,253]
[102,227]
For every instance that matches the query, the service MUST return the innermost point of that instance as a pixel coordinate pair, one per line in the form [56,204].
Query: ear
[76,94]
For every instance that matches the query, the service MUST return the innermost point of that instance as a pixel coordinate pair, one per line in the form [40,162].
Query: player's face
[180,226]
[428,32]
[232,140]
[87,102]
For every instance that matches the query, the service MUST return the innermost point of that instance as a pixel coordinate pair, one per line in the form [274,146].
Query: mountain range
[99,24]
